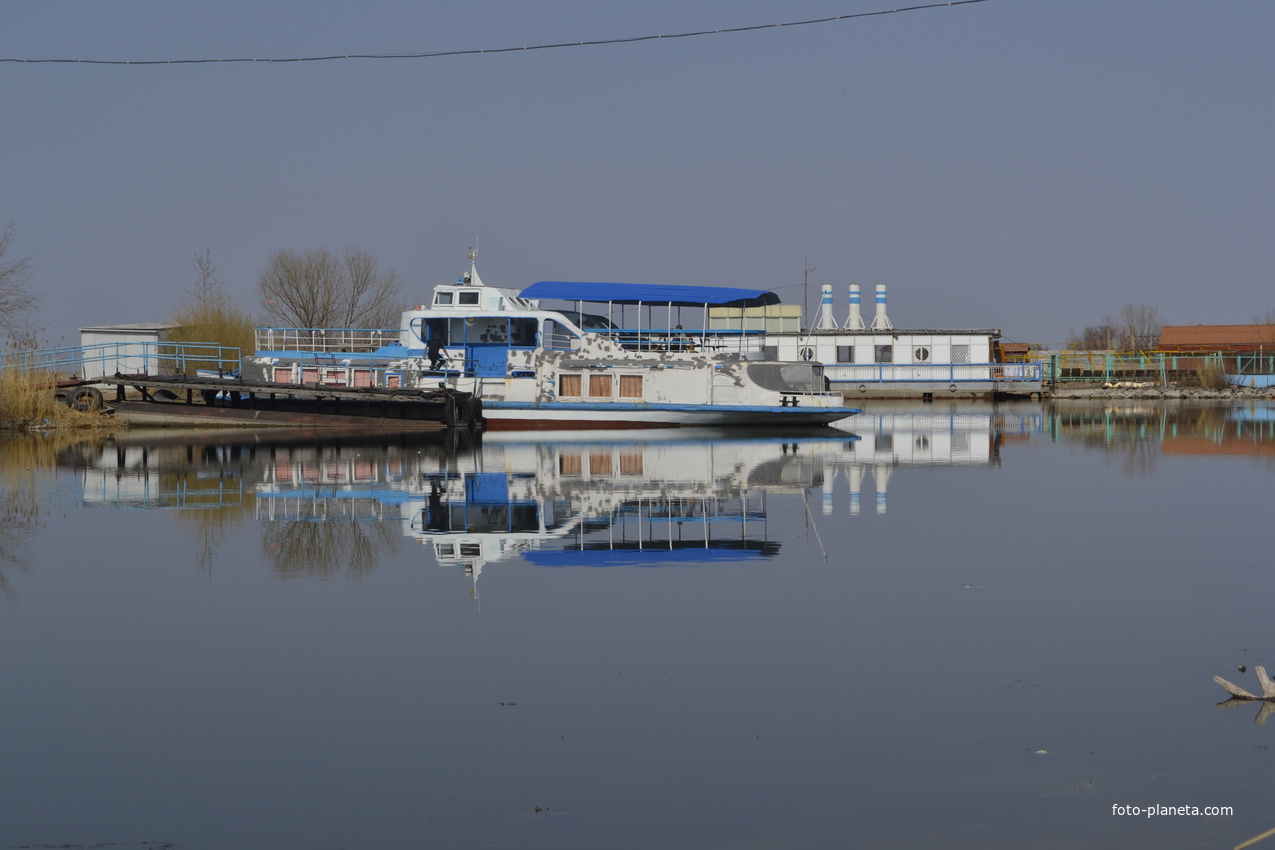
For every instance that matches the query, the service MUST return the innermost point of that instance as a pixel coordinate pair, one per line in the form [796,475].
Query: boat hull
[512,416]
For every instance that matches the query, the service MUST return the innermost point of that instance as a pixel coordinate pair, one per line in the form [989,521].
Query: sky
[1027,165]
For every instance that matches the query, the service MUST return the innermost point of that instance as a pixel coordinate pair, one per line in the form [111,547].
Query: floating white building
[874,359]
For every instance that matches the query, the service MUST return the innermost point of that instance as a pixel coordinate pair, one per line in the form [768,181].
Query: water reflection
[1265,708]
[24,497]
[606,499]
[606,694]
[331,504]
[1141,433]
[20,517]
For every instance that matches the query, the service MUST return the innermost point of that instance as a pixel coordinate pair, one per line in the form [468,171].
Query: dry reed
[27,401]
[1212,376]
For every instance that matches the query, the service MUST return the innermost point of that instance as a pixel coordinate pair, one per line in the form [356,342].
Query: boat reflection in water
[920,436]
[647,498]
[638,498]
[627,498]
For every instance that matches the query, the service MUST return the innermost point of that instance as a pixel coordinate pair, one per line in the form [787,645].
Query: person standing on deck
[434,348]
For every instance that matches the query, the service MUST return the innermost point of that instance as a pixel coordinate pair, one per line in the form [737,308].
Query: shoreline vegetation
[1150,392]
[28,404]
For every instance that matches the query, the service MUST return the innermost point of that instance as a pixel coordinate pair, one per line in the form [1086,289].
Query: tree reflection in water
[23,500]
[208,530]
[327,549]
[20,516]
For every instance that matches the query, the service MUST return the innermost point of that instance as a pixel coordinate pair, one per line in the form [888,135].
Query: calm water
[969,627]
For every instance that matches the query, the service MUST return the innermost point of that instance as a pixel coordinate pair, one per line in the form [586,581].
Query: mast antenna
[805,290]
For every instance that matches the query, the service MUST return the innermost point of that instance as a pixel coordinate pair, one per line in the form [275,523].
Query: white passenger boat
[533,367]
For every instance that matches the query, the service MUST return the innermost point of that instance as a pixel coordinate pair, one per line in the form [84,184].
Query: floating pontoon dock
[231,401]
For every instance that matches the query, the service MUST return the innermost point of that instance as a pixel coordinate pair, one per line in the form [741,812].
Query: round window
[921,354]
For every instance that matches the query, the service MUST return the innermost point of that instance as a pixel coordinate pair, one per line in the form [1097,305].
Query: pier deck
[212,400]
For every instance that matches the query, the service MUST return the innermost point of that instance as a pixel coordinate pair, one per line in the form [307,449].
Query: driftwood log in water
[1268,687]
[1239,696]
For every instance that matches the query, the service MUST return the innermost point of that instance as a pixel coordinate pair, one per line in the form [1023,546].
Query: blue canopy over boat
[652,556]
[649,293]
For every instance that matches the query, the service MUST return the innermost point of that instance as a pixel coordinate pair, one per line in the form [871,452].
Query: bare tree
[1096,337]
[208,293]
[1137,329]
[17,302]
[1140,327]
[317,289]
[208,314]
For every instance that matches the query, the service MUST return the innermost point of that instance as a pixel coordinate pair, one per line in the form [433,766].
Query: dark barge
[186,400]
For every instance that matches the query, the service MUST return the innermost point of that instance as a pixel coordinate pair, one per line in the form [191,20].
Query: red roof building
[1226,338]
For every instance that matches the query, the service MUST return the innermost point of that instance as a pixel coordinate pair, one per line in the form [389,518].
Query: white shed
[128,349]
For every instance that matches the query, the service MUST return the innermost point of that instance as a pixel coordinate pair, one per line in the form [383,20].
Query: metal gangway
[103,360]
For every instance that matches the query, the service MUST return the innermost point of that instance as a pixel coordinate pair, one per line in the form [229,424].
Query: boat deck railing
[325,340]
[711,341]
[125,358]
[955,373]
[367,340]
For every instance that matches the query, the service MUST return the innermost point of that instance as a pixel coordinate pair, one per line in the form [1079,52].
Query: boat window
[442,298]
[845,353]
[630,386]
[589,321]
[522,332]
[884,354]
[558,337]
[599,386]
[470,298]
[960,353]
[921,354]
[787,377]
[488,329]
[569,385]
[570,464]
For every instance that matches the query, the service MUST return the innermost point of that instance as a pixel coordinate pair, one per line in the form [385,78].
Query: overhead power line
[438,54]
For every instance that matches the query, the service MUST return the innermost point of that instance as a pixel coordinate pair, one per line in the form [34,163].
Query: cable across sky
[439,54]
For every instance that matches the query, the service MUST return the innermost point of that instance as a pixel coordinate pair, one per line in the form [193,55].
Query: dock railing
[107,359]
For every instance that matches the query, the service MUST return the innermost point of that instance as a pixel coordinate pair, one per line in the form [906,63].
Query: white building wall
[128,349]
